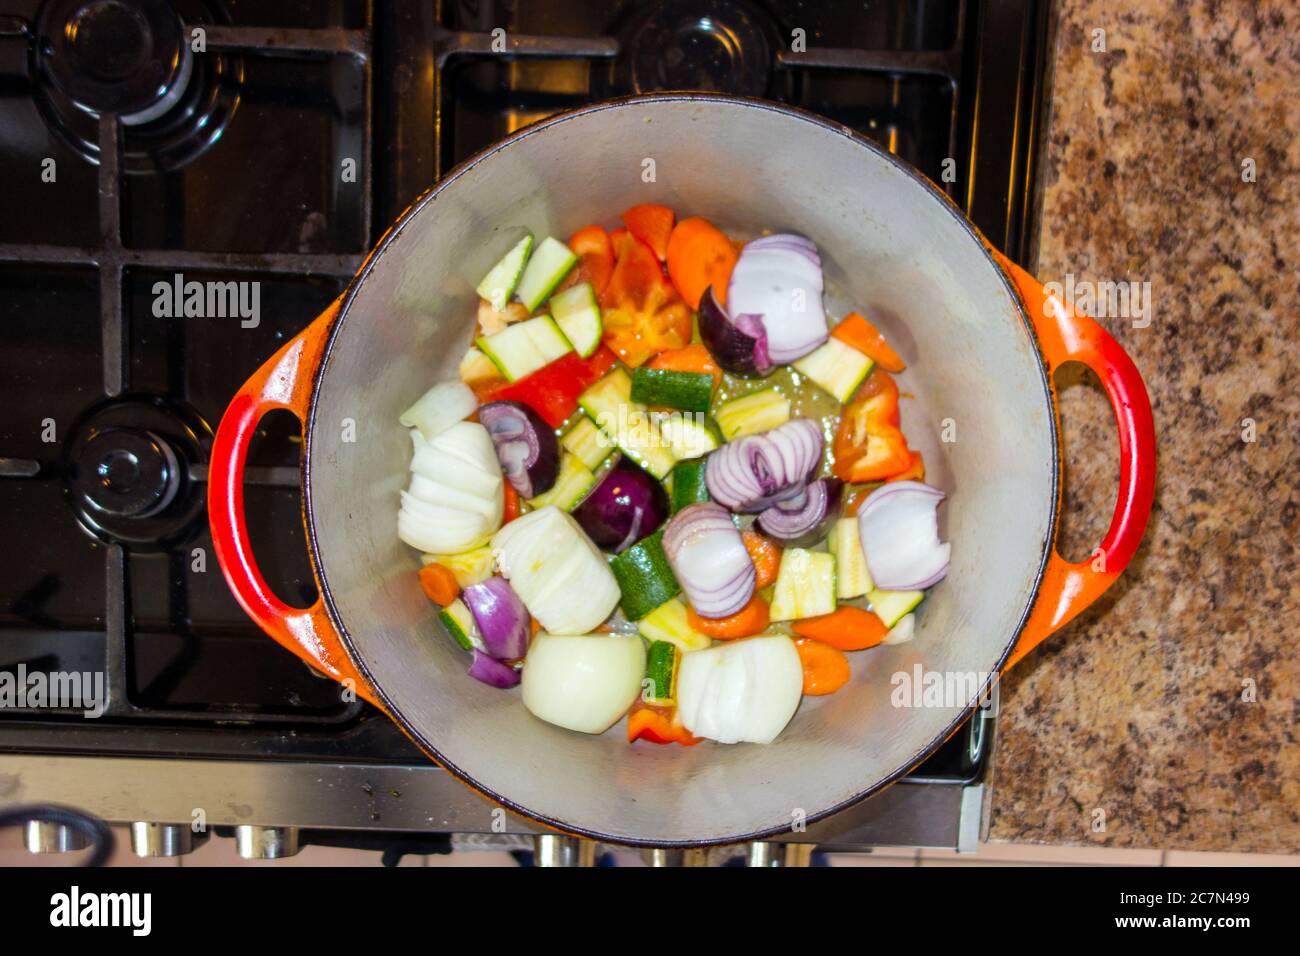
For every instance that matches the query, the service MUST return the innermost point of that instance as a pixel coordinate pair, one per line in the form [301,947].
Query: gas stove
[148,145]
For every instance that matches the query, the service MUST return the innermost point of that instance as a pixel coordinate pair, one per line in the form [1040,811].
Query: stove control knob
[41,836]
[161,839]
[266,843]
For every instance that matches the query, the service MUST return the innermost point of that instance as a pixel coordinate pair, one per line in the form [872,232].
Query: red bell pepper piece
[552,391]
[652,225]
[868,444]
[658,725]
[597,253]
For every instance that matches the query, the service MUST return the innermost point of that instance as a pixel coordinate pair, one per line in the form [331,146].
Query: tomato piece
[596,254]
[652,225]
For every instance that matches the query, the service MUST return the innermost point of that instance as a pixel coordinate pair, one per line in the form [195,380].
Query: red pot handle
[1067,335]
[285,381]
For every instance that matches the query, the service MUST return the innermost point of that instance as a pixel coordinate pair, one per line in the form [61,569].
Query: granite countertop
[1136,709]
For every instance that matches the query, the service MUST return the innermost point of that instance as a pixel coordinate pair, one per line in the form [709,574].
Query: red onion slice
[502,619]
[526,446]
[899,528]
[755,471]
[779,277]
[709,559]
[806,517]
[492,672]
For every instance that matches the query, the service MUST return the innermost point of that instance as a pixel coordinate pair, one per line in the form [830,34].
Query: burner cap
[128,471]
[720,46]
[121,56]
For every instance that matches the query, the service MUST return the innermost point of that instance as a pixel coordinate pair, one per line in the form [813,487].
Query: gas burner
[134,58]
[721,46]
[128,471]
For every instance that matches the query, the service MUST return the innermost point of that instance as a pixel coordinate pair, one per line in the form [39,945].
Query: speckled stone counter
[1136,710]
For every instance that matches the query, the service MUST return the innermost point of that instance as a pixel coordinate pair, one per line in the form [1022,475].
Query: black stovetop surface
[239,174]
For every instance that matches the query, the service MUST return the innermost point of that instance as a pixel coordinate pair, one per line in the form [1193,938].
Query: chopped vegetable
[755,471]
[500,616]
[914,472]
[670,622]
[455,500]
[439,408]
[836,368]
[469,567]
[805,586]
[690,435]
[700,257]
[661,673]
[459,622]
[903,631]
[892,606]
[527,449]
[653,225]
[688,483]
[476,368]
[499,284]
[709,560]
[583,682]
[852,579]
[511,510]
[738,344]
[778,279]
[553,391]
[523,348]
[825,668]
[757,412]
[439,583]
[857,332]
[645,578]
[804,518]
[560,575]
[868,443]
[741,691]
[491,671]
[597,256]
[658,725]
[751,619]
[628,423]
[643,314]
[693,358]
[547,267]
[578,316]
[688,391]
[571,486]
[766,555]
[587,443]
[848,628]
[626,505]
[899,527]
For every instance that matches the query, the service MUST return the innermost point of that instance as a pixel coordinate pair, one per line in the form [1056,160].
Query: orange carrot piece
[847,628]
[749,620]
[700,255]
[693,358]
[766,555]
[825,668]
[439,583]
[914,472]
[856,332]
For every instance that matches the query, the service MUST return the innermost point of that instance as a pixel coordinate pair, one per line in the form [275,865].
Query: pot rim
[391,234]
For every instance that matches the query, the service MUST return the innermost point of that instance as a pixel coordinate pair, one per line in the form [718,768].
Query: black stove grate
[960,80]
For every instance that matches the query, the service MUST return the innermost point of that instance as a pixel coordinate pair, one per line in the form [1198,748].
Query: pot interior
[890,248]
